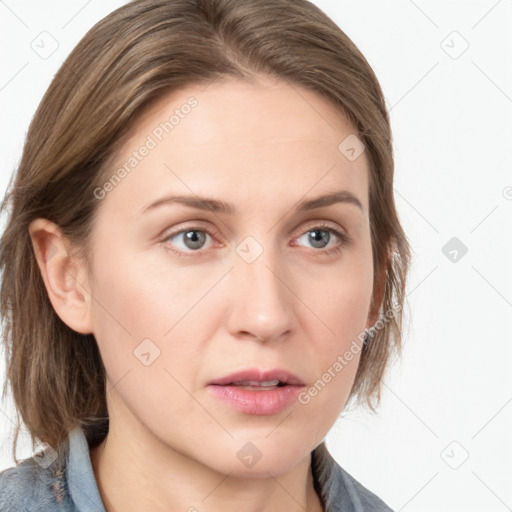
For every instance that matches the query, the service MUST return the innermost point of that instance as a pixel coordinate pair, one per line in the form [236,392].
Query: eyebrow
[216,206]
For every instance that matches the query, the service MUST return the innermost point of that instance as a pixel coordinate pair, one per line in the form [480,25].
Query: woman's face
[187,293]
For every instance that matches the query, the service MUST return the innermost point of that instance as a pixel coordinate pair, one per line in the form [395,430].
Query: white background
[451,395]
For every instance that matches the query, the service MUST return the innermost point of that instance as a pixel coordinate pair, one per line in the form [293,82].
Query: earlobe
[63,274]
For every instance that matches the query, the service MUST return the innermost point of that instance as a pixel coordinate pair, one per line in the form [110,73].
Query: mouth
[257,392]
[259,378]
[254,385]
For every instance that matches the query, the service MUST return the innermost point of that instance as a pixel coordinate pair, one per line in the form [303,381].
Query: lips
[257,392]
[259,379]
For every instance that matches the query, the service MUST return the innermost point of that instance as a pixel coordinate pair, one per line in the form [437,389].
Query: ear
[378,295]
[64,276]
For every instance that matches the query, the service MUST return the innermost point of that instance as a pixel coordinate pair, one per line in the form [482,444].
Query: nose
[262,303]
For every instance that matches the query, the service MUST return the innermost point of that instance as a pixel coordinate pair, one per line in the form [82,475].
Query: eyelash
[345,240]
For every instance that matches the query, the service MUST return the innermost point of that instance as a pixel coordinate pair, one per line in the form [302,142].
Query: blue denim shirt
[67,484]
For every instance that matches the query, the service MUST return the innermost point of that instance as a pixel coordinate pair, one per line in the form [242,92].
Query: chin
[257,457]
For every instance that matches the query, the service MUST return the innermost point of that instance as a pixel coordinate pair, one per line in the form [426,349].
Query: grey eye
[193,239]
[318,238]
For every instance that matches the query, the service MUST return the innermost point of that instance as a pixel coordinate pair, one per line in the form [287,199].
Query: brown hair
[128,60]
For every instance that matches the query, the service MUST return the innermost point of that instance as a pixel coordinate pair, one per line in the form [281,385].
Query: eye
[192,238]
[320,236]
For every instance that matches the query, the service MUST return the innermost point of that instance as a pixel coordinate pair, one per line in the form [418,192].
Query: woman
[204,237]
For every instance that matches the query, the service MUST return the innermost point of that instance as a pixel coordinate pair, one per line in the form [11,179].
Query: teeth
[256,383]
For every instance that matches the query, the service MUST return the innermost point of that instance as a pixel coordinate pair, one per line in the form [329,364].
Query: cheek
[336,356]
[146,337]
[345,313]
[144,314]
[341,298]
[342,303]
[349,308]
[137,293]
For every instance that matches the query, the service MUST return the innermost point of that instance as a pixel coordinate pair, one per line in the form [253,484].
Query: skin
[264,147]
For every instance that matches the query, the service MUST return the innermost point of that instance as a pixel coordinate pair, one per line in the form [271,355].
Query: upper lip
[253,374]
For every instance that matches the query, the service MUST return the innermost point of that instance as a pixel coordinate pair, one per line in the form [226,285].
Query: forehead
[264,137]
[248,112]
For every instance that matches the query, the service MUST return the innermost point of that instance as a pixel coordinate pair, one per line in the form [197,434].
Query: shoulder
[31,486]
[21,486]
[338,489]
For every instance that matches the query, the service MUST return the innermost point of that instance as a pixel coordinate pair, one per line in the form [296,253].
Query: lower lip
[262,403]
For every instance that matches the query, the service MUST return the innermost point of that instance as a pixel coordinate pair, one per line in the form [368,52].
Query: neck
[137,472]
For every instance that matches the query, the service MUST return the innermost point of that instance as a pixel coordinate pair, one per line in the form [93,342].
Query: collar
[332,483]
[80,475]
